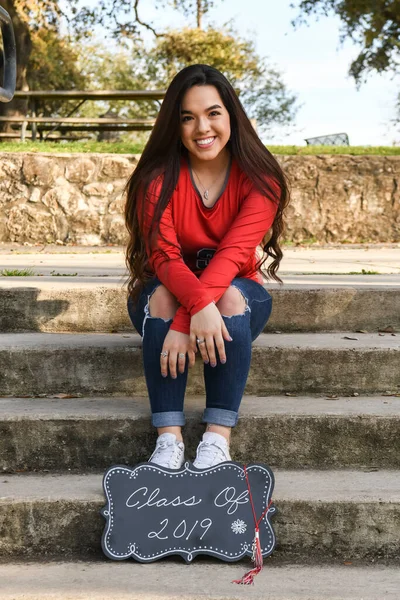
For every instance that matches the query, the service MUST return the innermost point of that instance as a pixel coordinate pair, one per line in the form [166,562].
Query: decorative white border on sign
[107,511]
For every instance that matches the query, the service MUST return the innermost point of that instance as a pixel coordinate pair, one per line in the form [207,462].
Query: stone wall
[77,198]
[343,198]
[68,198]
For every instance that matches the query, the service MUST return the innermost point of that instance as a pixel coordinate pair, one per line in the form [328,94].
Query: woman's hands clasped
[178,347]
[207,332]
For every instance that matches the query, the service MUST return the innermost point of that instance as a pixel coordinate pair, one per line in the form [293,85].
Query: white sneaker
[212,450]
[169,452]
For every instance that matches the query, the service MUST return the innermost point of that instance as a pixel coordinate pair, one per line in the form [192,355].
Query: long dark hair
[162,156]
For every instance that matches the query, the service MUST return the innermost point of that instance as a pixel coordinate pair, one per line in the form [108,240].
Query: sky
[313,64]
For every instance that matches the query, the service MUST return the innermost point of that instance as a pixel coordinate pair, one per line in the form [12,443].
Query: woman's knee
[163,304]
[232,302]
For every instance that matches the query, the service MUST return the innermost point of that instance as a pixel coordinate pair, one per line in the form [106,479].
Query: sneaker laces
[209,453]
[169,451]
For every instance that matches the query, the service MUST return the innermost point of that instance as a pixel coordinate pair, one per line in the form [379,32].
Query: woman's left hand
[177,345]
[208,326]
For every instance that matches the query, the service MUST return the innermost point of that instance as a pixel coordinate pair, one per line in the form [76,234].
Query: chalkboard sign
[152,512]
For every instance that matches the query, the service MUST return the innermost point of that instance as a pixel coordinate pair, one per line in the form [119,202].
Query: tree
[260,87]
[37,22]
[188,7]
[53,65]
[120,18]
[372,24]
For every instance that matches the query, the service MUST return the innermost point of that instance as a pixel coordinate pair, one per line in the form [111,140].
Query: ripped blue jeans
[224,383]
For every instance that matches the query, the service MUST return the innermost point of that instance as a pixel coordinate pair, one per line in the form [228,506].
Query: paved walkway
[171,579]
[313,262]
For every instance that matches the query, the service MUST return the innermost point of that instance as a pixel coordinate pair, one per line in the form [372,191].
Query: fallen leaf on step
[290,394]
[355,394]
[333,397]
[382,334]
[63,396]
[348,337]
[361,331]
[277,331]
[347,563]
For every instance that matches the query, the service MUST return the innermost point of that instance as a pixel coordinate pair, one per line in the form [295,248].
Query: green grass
[86,147]
[309,241]
[364,272]
[127,147]
[17,273]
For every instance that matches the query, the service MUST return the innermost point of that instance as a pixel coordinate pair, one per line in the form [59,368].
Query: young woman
[205,193]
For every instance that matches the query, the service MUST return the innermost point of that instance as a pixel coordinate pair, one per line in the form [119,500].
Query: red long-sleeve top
[206,247]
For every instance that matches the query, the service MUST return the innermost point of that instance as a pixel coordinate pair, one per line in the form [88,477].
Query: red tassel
[257,559]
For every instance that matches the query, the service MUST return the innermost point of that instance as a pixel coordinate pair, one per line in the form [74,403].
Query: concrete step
[169,580]
[103,260]
[322,515]
[89,434]
[68,304]
[93,364]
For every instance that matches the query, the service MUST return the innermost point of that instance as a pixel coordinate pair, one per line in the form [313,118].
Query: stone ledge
[321,515]
[68,305]
[89,434]
[107,364]
[77,198]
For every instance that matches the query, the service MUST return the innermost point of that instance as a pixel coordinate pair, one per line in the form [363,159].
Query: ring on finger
[200,341]
[164,353]
[181,355]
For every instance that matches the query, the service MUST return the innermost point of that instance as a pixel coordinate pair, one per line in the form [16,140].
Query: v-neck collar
[228,172]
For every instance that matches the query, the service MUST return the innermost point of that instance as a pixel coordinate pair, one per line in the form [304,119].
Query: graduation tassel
[257,557]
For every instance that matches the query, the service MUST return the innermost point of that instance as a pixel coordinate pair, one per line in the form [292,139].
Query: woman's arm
[167,262]
[236,248]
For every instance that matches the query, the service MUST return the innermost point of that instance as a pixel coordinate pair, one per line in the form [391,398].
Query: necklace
[205,191]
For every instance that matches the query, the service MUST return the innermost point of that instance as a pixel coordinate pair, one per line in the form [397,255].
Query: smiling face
[205,123]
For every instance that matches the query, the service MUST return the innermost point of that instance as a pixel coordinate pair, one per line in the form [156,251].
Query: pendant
[206,194]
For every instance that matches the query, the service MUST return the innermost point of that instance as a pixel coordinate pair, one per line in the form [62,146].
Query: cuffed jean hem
[220,416]
[171,418]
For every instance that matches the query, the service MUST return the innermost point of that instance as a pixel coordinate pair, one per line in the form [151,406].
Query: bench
[41,124]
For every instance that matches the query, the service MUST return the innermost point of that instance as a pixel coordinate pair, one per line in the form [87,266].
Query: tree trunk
[199,13]
[23,43]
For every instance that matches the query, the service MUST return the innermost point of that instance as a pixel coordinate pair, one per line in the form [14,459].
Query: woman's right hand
[176,346]
[209,326]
